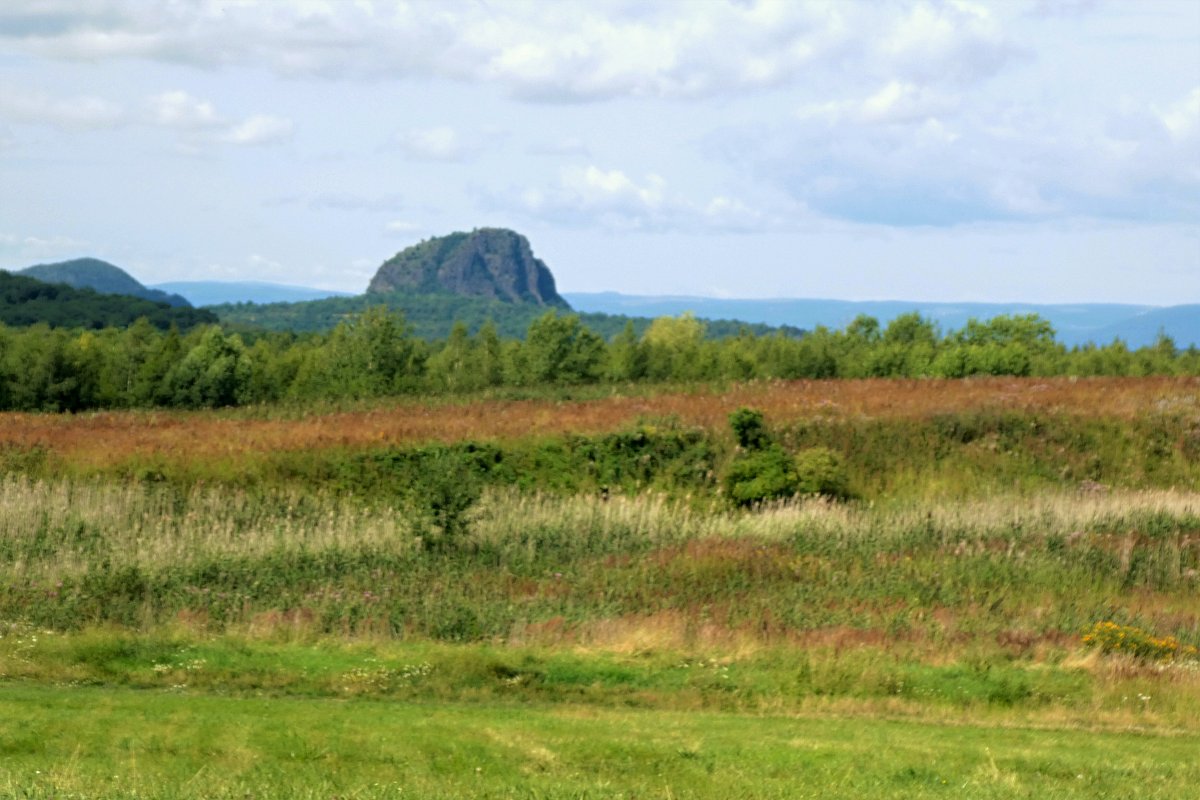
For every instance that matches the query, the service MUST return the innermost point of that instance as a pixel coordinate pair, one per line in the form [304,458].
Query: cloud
[259,129]
[1182,119]
[78,113]
[905,154]
[954,41]
[178,109]
[39,247]
[551,51]
[610,199]
[403,226]
[894,102]
[441,143]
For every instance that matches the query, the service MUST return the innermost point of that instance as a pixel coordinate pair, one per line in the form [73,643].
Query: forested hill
[28,301]
[433,315]
[487,275]
[103,277]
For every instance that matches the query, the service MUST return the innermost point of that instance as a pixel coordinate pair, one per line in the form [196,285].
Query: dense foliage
[433,316]
[377,354]
[28,301]
[92,273]
[762,471]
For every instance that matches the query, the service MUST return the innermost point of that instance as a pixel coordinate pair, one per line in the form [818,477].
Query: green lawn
[103,742]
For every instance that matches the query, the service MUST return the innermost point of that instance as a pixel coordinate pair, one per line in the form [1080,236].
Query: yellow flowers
[1113,638]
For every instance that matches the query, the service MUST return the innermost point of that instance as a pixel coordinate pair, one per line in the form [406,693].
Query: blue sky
[1037,151]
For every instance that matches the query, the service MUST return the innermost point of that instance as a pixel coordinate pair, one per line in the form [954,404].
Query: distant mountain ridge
[491,273]
[1074,323]
[101,276]
[212,293]
[492,263]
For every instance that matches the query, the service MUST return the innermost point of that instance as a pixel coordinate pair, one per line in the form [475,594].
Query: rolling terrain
[1074,324]
[554,596]
[101,276]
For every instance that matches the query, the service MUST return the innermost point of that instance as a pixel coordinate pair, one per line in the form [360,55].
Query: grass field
[265,604]
[923,440]
[81,743]
[103,437]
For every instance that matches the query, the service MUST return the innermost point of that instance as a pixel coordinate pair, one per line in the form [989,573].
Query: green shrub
[449,486]
[761,475]
[748,429]
[820,471]
[771,474]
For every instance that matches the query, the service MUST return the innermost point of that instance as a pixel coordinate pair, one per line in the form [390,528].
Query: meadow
[553,596]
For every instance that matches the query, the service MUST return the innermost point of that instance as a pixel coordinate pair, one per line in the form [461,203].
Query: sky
[1016,150]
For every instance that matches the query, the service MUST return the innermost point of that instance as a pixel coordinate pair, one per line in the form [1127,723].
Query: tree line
[376,354]
[28,301]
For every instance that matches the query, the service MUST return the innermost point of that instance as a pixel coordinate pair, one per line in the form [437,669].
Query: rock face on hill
[106,278]
[488,262]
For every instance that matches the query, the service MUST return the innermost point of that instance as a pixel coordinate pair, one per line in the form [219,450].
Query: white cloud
[555,51]
[197,119]
[178,109]
[441,143]
[911,155]
[259,129]
[895,102]
[595,188]
[1182,119]
[447,144]
[67,113]
[594,197]
[947,41]
[39,247]
[402,226]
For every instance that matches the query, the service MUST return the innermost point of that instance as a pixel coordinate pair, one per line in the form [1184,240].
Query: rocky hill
[492,263]
[103,277]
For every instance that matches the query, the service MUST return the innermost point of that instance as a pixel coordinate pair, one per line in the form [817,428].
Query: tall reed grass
[1021,571]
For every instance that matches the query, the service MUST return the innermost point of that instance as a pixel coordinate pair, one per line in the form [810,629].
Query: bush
[1113,638]
[761,475]
[748,429]
[820,471]
[447,490]
[772,474]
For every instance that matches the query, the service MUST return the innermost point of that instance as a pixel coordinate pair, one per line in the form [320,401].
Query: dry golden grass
[143,525]
[102,438]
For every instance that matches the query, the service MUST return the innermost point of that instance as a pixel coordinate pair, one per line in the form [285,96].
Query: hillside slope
[28,301]
[103,277]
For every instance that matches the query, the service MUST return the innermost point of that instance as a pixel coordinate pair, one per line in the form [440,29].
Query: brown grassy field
[99,438]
